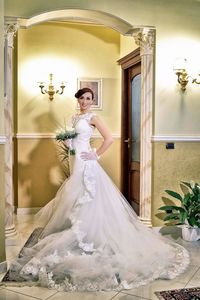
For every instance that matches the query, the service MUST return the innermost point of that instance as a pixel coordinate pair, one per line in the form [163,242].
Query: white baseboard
[3,266]
[27,210]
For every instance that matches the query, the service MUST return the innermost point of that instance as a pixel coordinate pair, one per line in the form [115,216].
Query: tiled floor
[190,278]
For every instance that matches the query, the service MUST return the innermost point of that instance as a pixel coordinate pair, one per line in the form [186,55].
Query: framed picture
[95,84]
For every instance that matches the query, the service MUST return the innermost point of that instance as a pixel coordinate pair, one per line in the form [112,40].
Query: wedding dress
[92,239]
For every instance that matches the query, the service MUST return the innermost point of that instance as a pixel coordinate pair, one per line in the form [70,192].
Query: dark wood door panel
[130,171]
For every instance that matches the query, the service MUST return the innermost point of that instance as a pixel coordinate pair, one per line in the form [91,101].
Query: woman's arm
[108,139]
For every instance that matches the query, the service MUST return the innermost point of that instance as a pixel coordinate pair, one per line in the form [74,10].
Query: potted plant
[186,212]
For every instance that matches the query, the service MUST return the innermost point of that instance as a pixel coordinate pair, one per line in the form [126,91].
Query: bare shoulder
[95,120]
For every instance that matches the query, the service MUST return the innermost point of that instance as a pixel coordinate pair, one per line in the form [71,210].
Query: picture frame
[95,84]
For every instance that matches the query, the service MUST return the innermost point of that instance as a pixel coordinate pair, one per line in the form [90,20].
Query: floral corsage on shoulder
[66,136]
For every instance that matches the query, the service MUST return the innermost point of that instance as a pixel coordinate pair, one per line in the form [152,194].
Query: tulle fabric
[92,239]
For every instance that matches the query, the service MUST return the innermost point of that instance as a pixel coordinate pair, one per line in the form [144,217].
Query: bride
[92,239]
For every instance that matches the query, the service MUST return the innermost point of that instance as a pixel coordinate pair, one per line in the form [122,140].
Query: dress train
[92,239]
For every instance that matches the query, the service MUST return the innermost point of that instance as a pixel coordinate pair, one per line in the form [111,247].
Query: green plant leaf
[172,207]
[183,216]
[171,217]
[187,184]
[174,194]
[186,199]
[192,220]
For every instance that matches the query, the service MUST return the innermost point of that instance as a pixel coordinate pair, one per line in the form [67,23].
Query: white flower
[70,128]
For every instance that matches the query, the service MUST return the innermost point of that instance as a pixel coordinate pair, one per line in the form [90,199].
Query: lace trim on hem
[106,284]
[88,195]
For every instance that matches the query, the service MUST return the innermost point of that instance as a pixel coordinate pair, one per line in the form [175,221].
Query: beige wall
[70,51]
[170,167]
[40,172]
[2,199]
[127,45]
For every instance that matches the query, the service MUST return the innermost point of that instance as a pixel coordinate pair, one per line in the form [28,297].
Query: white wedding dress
[92,239]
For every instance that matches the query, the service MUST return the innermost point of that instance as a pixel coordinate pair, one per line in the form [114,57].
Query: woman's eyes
[85,98]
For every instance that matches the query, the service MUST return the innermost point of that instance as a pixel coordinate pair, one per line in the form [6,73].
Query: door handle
[127,141]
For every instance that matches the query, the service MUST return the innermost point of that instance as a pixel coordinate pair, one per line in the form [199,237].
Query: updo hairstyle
[80,92]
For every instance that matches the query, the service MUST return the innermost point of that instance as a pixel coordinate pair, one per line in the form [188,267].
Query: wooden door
[130,143]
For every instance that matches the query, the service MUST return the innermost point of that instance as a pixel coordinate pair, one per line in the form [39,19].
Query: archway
[81,15]
[144,38]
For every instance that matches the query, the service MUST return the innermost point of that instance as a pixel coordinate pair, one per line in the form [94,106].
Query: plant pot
[190,234]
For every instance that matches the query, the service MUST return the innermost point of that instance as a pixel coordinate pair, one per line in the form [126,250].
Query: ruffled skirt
[92,240]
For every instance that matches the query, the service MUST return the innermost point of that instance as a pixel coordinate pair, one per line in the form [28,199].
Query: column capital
[10,30]
[145,39]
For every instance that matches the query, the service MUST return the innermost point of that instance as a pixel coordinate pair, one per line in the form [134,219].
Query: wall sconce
[50,90]
[182,75]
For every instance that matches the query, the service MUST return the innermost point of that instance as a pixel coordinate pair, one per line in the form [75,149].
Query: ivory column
[145,39]
[10,30]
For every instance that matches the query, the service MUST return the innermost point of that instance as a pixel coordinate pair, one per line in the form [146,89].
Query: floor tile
[192,286]
[122,296]
[25,227]
[38,292]
[195,280]
[19,219]
[188,274]
[12,251]
[8,295]
[83,296]
[147,291]
[13,240]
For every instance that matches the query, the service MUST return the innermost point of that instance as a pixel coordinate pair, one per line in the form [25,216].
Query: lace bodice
[82,125]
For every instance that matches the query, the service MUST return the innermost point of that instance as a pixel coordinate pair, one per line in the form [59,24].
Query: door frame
[130,60]
[145,54]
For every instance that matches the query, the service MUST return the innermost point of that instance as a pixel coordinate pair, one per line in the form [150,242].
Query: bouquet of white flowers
[64,135]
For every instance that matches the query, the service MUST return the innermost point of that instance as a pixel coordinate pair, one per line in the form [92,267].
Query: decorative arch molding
[144,37]
[80,15]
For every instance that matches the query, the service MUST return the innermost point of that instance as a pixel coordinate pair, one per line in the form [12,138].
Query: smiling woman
[85,98]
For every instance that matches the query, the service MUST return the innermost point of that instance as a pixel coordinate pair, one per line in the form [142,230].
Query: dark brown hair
[80,92]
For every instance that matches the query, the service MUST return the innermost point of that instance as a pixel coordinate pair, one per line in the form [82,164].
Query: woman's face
[85,101]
